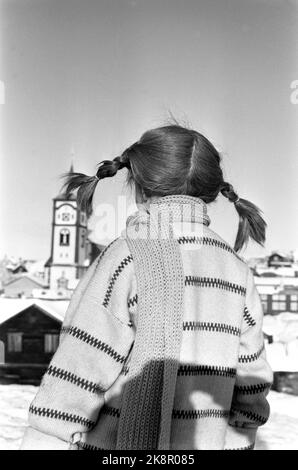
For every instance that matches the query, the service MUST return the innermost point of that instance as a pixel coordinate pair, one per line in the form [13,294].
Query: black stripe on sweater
[214,282]
[132,301]
[92,341]
[252,389]
[251,357]
[206,370]
[208,241]
[248,318]
[250,415]
[125,262]
[178,414]
[208,326]
[74,379]
[55,414]
[111,411]
[186,370]
[85,446]
[195,414]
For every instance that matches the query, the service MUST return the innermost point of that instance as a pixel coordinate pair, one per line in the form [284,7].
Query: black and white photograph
[149,227]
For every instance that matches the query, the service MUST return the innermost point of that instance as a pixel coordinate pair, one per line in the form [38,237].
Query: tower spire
[72,158]
[62,196]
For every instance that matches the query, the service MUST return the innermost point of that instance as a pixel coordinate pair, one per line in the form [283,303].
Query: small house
[285,300]
[277,260]
[29,336]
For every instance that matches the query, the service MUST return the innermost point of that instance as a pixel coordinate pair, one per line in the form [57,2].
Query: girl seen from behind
[162,344]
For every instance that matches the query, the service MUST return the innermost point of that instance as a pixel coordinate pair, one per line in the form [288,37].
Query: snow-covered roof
[288,281]
[283,254]
[11,307]
[35,266]
[51,294]
[268,290]
[17,277]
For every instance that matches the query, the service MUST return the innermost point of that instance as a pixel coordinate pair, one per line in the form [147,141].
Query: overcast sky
[89,77]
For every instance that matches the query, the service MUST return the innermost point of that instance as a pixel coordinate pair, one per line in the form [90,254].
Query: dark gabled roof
[20,269]
[48,263]
[282,257]
[13,307]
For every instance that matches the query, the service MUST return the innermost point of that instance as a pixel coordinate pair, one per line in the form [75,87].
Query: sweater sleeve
[250,408]
[95,341]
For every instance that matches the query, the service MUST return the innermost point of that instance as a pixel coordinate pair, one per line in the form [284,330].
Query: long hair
[173,160]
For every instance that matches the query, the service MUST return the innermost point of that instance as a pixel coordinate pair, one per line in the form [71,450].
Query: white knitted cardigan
[161,346]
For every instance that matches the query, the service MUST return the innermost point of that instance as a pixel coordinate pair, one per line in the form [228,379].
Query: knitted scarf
[148,395]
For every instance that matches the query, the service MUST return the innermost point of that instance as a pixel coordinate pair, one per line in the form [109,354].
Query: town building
[29,336]
[277,260]
[283,301]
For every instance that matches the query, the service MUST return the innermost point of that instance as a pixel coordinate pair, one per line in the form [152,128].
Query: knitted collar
[168,217]
[148,395]
[182,208]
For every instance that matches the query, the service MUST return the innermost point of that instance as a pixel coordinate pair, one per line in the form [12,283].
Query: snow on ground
[14,404]
[281,432]
[283,352]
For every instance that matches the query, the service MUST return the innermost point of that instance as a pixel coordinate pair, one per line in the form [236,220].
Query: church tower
[70,248]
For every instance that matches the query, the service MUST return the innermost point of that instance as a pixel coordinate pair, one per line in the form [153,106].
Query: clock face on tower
[66,214]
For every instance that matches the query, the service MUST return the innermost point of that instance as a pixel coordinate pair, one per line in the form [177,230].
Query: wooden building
[29,336]
[283,301]
[276,260]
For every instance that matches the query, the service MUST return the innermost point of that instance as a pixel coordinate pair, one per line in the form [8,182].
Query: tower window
[83,240]
[64,237]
